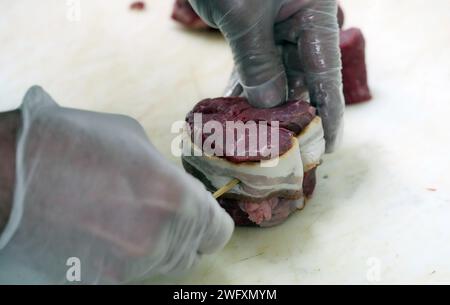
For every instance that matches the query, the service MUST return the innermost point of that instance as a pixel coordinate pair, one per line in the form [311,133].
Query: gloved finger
[297,88]
[248,28]
[260,67]
[318,47]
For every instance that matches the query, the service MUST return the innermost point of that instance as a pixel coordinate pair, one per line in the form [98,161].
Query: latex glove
[307,33]
[92,186]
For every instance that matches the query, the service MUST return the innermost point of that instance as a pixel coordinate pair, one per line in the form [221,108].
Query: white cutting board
[381,212]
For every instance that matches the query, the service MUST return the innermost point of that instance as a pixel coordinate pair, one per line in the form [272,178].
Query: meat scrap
[354,71]
[185,14]
[138,5]
[266,196]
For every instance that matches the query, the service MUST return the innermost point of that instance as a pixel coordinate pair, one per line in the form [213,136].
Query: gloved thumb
[219,229]
[258,61]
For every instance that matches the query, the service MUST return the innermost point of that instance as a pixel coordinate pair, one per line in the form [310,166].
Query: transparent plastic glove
[279,46]
[91,186]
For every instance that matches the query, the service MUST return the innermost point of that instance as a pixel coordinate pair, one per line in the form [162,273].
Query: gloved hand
[92,186]
[281,46]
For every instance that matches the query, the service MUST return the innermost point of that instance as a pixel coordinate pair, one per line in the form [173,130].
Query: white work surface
[381,211]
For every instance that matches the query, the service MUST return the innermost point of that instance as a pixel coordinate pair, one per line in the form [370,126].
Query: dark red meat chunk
[354,72]
[138,6]
[309,182]
[292,117]
[185,14]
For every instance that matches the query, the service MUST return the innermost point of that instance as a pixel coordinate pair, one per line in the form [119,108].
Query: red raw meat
[239,217]
[185,14]
[309,182]
[354,72]
[293,117]
[138,5]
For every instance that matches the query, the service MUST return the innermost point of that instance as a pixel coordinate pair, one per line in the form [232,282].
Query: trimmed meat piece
[309,182]
[354,72]
[137,6]
[185,14]
[260,212]
[293,117]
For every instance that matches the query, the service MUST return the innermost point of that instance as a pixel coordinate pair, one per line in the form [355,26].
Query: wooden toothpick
[226,188]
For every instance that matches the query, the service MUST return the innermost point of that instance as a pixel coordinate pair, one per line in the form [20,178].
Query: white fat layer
[252,175]
[312,144]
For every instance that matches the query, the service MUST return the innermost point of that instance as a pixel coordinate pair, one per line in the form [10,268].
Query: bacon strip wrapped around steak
[272,186]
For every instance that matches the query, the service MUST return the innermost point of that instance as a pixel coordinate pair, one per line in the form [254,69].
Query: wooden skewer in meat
[226,188]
